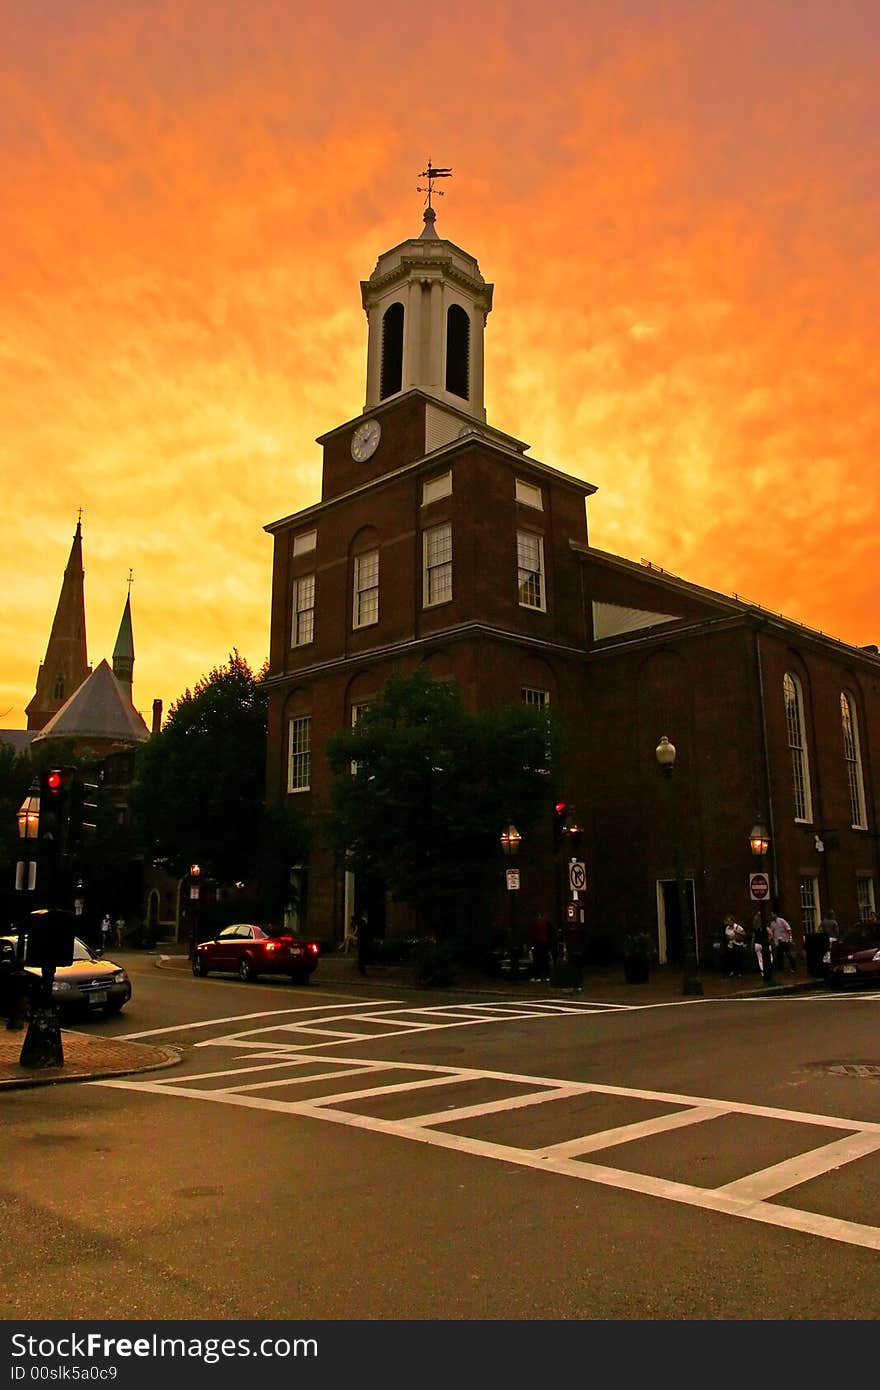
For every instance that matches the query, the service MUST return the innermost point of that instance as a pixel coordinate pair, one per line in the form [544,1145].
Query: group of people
[771,943]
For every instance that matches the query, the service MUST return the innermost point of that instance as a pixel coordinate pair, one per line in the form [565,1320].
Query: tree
[424,788]
[199,785]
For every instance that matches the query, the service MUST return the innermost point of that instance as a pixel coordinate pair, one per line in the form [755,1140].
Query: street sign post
[759,887]
[577,876]
[512,879]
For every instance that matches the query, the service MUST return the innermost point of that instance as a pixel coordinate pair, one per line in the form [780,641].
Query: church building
[440,541]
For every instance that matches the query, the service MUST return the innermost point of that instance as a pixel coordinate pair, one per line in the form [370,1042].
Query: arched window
[458,351]
[59,687]
[852,753]
[392,351]
[797,744]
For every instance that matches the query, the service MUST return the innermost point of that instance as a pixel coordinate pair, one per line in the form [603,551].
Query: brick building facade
[439,542]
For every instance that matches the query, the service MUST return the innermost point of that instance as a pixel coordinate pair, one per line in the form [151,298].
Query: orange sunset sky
[678,202]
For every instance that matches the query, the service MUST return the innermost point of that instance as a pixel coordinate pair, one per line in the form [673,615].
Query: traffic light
[55,808]
[566,825]
[83,818]
[560,812]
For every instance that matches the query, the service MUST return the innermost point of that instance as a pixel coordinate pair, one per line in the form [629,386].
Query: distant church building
[438,541]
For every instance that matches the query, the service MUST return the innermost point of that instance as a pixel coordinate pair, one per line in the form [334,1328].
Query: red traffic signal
[56,781]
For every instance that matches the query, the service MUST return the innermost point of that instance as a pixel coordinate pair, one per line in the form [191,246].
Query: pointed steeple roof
[123,652]
[99,711]
[65,665]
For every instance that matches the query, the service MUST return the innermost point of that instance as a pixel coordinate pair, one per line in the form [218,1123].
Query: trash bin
[816,943]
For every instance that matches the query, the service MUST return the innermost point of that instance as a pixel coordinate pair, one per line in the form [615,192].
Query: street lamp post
[510,843]
[691,982]
[28,817]
[759,841]
[194,872]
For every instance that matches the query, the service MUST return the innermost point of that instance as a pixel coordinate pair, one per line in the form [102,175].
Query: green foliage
[199,786]
[432,788]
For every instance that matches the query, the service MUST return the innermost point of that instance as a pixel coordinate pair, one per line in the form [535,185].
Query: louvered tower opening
[458,347]
[392,351]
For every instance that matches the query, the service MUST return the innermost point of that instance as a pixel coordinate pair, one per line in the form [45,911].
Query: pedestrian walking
[349,941]
[735,943]
[781,941]
[362,931]
[540,942]
[763,952]
[119,932]
[105,932]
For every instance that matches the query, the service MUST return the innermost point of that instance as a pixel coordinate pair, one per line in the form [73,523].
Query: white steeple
[426,305]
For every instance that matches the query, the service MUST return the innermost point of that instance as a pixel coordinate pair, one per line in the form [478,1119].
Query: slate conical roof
[99,710]
[123,652]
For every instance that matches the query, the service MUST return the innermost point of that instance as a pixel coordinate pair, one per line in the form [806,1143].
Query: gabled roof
[99,709]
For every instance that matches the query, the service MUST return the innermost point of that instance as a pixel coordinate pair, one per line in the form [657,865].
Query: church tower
[65,665]
[123,652]
[426,305]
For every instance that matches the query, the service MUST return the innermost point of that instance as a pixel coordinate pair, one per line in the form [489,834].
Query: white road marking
[242,1018]
[746,1198]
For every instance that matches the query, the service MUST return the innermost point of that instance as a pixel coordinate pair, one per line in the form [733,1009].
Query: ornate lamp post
[510,843]
[691,982]
[759,841]
[194,872]
[28,817]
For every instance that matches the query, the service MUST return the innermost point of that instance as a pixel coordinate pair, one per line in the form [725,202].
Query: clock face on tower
[365,440]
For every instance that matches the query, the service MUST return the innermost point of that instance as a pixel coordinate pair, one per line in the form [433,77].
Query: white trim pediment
[610,619]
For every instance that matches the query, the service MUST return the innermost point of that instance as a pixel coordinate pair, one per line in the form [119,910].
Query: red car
[855,958]
[249,950]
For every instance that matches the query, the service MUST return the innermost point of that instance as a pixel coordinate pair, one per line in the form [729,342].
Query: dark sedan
[854,959]
[91,984]
[251,949]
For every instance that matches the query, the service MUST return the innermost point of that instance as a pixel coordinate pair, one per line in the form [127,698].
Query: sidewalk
[91,1056]
[87,1057]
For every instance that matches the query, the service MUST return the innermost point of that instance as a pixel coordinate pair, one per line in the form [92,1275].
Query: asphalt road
[448,1157]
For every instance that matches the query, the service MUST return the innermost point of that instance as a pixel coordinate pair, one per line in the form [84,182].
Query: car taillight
[312,948]
[271,945]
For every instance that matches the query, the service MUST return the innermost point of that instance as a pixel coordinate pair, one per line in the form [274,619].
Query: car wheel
[199,967]
[246,969]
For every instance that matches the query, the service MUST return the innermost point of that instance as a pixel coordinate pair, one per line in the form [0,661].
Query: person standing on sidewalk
[735,939]
[763,952]
[781,942]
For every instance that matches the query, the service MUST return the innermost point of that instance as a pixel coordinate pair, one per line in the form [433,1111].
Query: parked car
[854,958]
[251,949]
[92,983]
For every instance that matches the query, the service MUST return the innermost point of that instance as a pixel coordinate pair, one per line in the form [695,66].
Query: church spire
[123,652]
[65,665]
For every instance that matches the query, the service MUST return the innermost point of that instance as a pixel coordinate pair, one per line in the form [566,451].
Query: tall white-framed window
[530,570]
[303,625]
[810,917]
[435,488]
[532,695]
[356,712]
[436,564]
[797,746]
[852,752]
[365,605]
[865,895]
[299,753]
[529,494]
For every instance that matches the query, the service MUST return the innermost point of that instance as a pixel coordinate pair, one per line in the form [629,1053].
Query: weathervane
[431,174]
[130,580]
